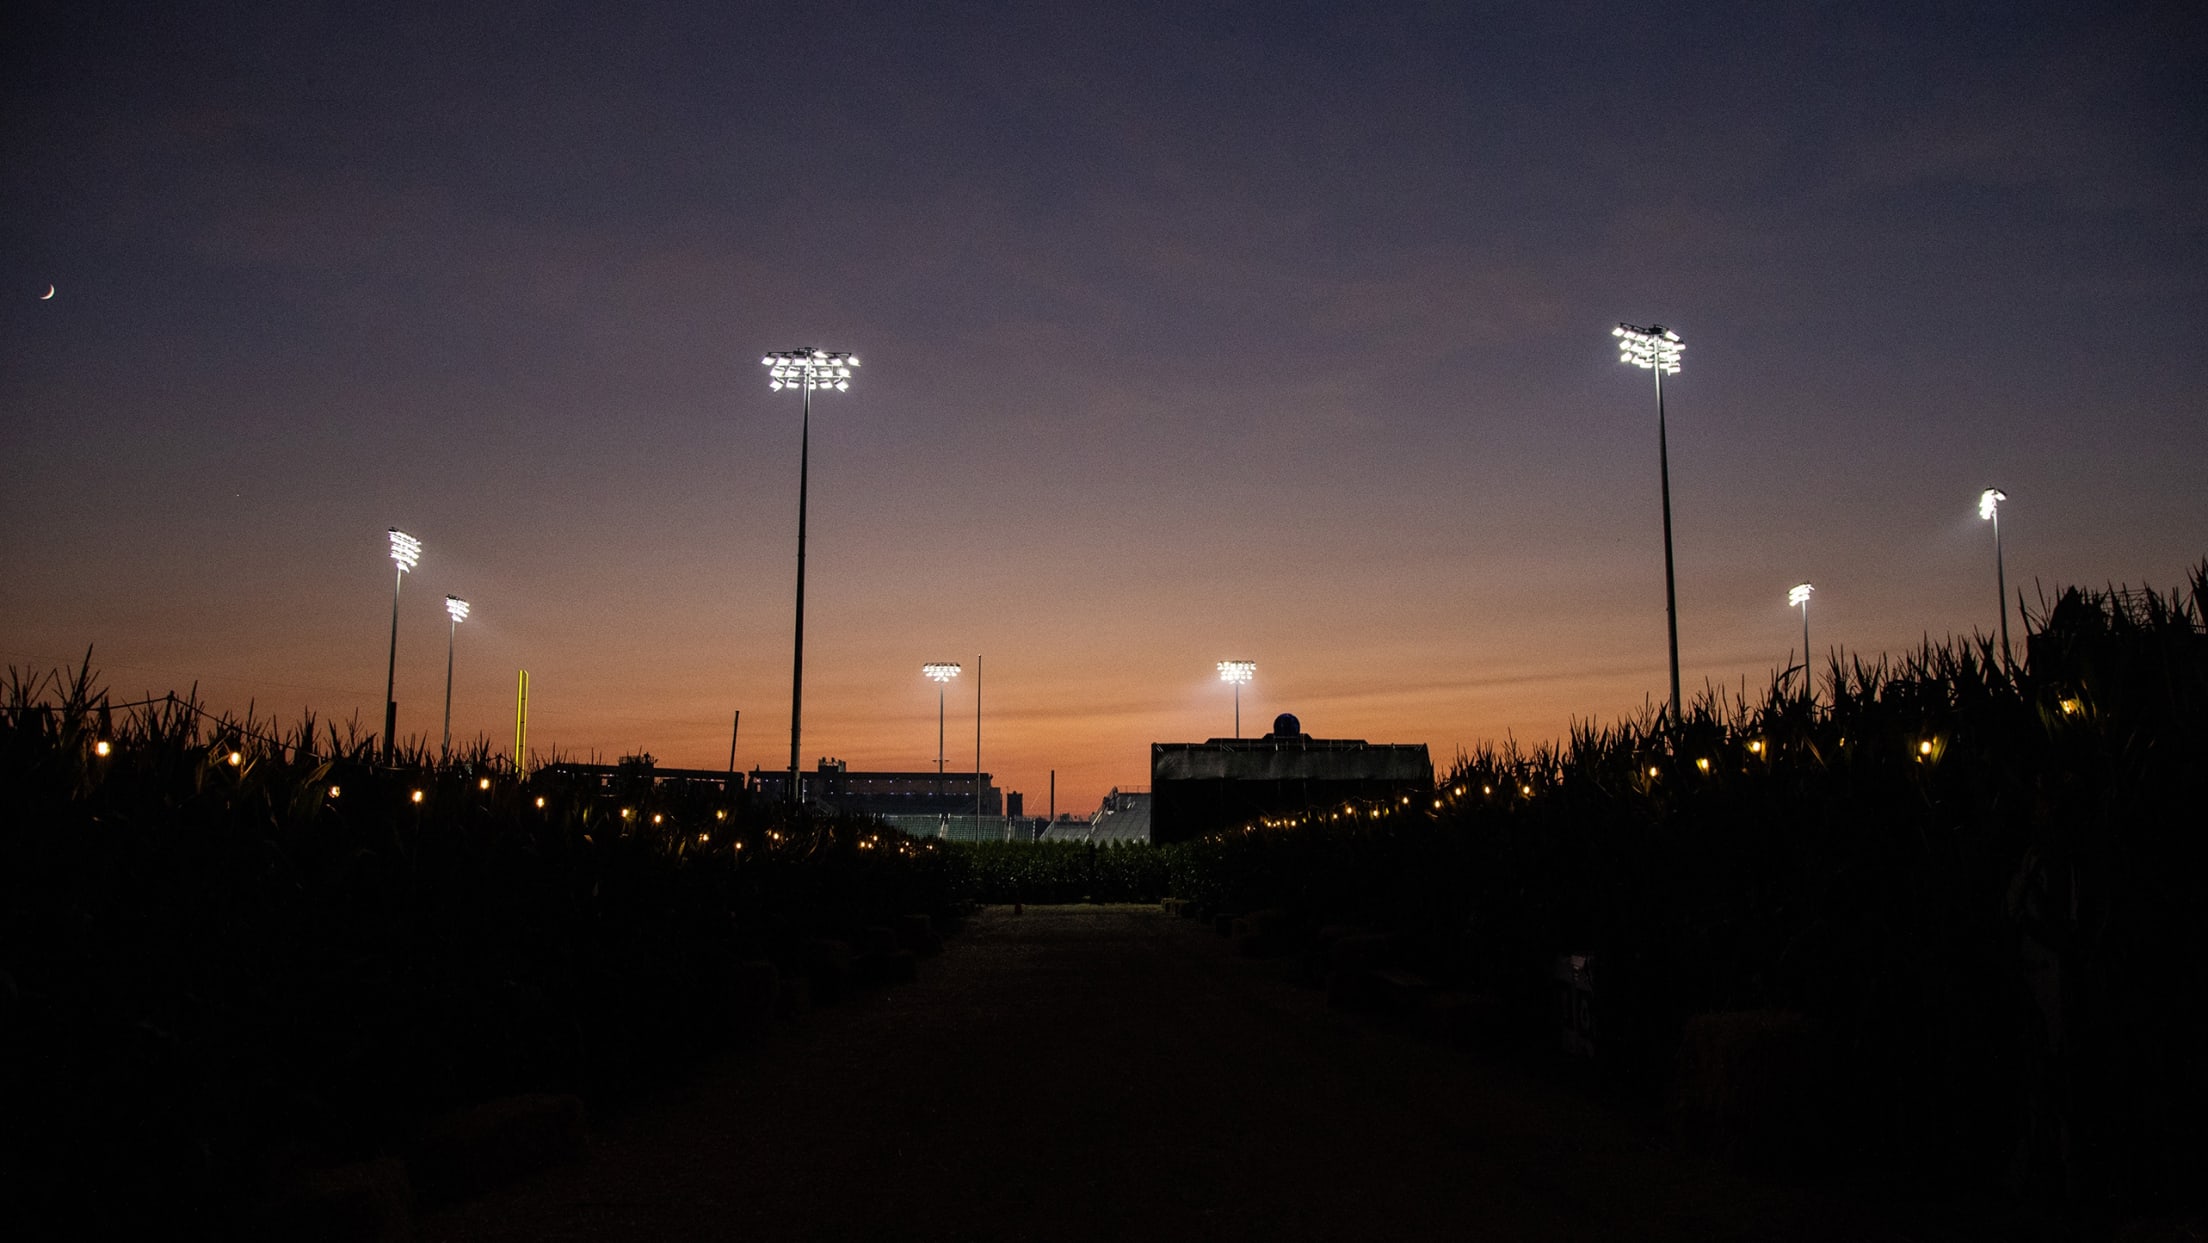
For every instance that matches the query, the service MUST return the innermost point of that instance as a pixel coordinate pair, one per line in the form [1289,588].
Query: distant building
[609,777]
[837,789]
[1203,787]
[1123,817]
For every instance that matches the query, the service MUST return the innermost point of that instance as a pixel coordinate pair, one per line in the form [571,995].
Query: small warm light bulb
[656,817]
[1526,790]
[1756,747]
[1652,770]
[101,748]
[720,815]
[1925,747]
[624,813]
[334,791]
[236,759]
[2070,707]
[417,796]
[483,783]
[1703,764]
[540,800]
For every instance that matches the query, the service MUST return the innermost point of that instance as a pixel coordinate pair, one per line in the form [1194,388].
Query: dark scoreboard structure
[1224,783]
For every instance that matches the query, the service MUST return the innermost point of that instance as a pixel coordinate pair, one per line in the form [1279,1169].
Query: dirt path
[1090,1073]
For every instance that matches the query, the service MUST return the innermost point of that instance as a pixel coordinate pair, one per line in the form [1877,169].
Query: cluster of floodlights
[1655,347]
[406,552]
[810,369]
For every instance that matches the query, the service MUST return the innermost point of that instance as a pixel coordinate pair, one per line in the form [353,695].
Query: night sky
[1269,331]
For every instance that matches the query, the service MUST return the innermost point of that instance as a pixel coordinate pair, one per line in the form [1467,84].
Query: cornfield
[1975,880]
[227,949]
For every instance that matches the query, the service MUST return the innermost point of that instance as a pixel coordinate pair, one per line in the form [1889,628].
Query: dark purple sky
[1270,331]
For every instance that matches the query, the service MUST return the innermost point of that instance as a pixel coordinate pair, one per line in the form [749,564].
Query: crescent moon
[48,295]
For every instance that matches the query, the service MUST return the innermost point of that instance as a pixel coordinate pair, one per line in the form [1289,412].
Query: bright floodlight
[405,549]
[941,671]
[1989,502]
[457,607]
[809,369]
[1799,595]
[1654,346]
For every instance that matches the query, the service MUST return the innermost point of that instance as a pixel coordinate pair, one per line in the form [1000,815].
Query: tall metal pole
[1989,507]
[810,368]
[733,726]
[797,664]
[1671,597]
[521,723]
[390,677]
[452,631]
[939,686]
[1238,712]
[977,744]
[2001,589]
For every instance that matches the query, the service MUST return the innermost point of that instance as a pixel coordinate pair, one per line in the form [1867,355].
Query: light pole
[977,744]
[806,370]
[1657,349]
[406,550]
[941,672]
[1989,509]
[1798,596]
[1234,673]
[458,609]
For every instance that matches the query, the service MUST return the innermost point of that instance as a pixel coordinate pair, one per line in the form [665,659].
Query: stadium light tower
[1798,597]
[458,609]
[1989,510]
[406,550]
[805,370]
[1235,673]
[941,672]
[1657,349]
